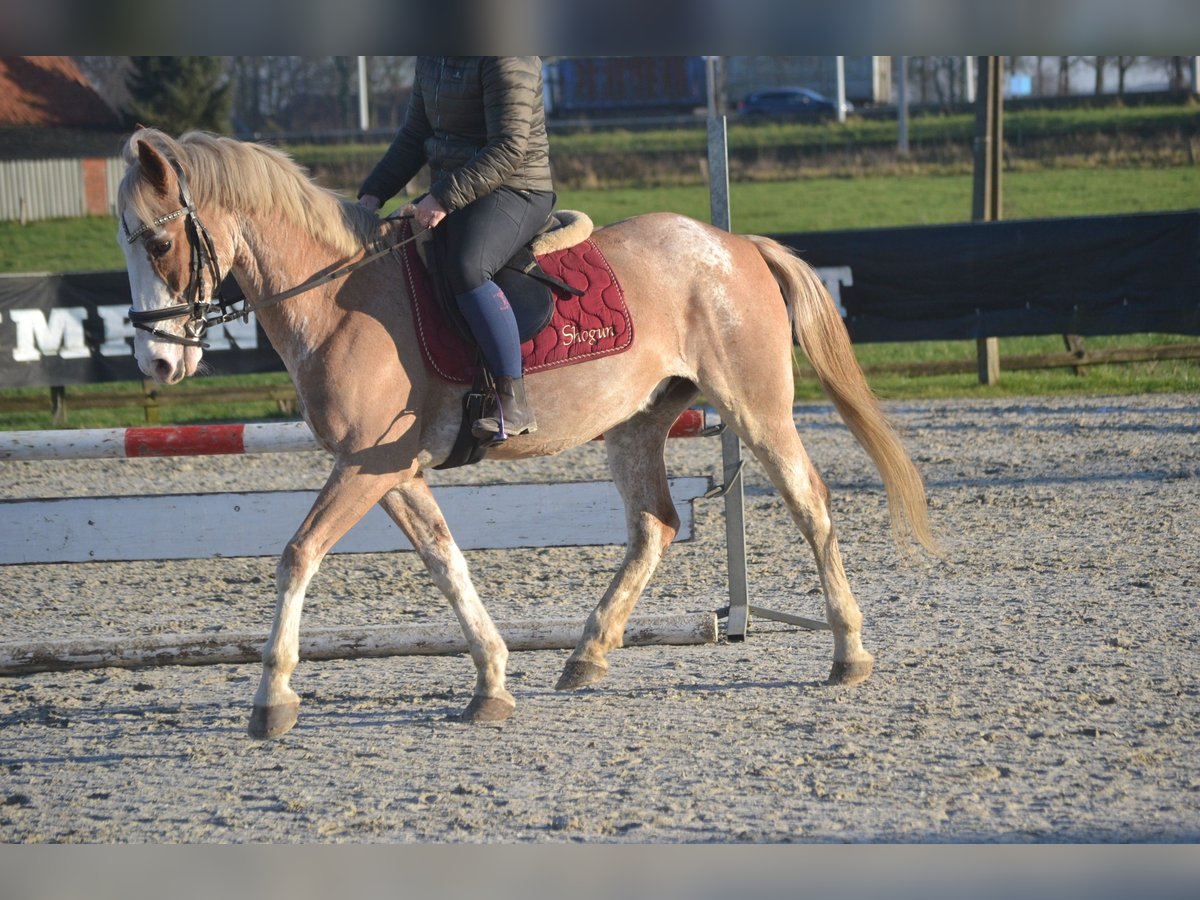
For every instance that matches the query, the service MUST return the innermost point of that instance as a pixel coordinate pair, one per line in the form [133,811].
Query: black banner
[71,329]
[1087,276]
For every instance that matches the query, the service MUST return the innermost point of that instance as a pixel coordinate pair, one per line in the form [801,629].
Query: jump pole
[208,440]
[216,648]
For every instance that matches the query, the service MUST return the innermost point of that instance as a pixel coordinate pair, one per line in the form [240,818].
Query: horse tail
[821,334]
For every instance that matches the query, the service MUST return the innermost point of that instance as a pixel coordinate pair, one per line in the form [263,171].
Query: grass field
[806,205]
[818,204]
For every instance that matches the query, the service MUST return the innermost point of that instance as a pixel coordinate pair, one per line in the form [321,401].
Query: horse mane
[249,178]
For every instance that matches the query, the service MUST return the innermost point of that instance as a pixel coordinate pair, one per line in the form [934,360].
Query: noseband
[196,307]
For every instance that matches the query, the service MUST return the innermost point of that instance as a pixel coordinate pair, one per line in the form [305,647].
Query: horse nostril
[163,370]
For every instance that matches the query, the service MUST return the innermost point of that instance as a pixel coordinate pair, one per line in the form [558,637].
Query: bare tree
[1065,65]
[391,79]
[1124,64]
[1176,68]
[108,75]
[1098,63]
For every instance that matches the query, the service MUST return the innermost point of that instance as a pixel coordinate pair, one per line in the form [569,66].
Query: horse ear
[155,167]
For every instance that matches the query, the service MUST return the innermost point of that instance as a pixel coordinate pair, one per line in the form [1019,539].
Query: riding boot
[512,414]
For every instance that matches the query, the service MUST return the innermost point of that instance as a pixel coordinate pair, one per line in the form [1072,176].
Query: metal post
[731,445]
[902,105]
[841,89]
[364,117]
[710,65]
[986,199]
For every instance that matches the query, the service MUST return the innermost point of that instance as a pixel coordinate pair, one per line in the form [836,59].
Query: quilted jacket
[478,121]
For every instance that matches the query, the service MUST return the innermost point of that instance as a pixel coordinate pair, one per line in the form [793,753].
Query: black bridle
[203,312]
[196,306]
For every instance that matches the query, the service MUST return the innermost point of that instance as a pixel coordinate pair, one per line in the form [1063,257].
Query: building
[58,141]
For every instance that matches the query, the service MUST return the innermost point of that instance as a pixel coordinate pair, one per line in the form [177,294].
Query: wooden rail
[1038,361]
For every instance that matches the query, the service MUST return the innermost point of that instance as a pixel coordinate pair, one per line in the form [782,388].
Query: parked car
[788,103]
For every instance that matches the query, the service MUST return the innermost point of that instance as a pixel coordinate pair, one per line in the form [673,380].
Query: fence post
[58,404]
[150,403]
[986,205]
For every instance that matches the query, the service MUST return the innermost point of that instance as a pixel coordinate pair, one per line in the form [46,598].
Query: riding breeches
[482,236]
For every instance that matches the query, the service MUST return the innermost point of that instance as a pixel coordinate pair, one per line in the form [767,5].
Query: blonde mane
[250,179]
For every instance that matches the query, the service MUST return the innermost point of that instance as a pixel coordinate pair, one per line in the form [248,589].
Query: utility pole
[902,105]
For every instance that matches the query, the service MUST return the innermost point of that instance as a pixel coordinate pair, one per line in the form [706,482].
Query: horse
[716,314]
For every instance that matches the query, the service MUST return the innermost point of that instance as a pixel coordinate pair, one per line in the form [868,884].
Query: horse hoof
[272,721]
[489,709]
[848,673]
[579,673]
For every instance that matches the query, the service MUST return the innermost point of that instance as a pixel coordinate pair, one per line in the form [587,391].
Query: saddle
[525,283]
[530,292]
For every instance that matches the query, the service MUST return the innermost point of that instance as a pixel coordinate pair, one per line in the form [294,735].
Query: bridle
[202,313]
[196,306]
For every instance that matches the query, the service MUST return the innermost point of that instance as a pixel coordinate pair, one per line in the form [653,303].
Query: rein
[196,307]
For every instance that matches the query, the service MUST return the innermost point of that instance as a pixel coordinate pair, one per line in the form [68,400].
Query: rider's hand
[369,201]
[429,212]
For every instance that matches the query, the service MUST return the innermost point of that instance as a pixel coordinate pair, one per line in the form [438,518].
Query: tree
[109,76]
[1124,64]
[180,93]
[1099,63]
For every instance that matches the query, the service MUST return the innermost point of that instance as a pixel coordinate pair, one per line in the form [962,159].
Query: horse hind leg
[413,507]
[778,448]
[635,457]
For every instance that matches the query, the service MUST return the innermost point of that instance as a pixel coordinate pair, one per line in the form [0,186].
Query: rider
[480,124]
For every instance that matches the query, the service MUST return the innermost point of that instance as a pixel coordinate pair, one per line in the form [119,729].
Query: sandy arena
[1041,686]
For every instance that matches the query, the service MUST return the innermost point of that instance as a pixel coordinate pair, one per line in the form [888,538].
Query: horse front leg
[345,499]
[413,508]
[635,458]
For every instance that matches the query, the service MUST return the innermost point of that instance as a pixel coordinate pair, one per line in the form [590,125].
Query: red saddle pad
[581,328]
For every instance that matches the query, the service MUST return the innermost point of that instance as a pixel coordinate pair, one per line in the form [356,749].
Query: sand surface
[1040,686]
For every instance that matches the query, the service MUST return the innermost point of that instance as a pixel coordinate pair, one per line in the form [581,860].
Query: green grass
[61,245]
[1019,125]
[1125,378]
[823,204]
[817,204]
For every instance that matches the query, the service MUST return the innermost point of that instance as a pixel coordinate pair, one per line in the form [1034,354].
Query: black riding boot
[512,415]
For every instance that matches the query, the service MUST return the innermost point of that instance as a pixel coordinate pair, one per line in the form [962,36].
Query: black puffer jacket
[480,123]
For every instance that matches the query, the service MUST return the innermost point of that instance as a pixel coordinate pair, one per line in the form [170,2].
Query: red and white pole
[210,440]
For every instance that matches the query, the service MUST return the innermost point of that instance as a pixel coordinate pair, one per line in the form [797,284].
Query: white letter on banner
[834,277]
[62,335]
[116,331]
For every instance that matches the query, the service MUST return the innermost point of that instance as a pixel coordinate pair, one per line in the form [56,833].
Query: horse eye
[160,248]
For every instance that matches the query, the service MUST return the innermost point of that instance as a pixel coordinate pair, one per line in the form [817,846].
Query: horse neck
[276,257]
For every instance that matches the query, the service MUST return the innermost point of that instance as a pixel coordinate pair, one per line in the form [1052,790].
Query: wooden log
[228,647]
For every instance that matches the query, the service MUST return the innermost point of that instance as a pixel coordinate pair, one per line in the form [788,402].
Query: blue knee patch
[494,326]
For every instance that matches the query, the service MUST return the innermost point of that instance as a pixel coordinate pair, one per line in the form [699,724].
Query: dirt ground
[1040,686]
